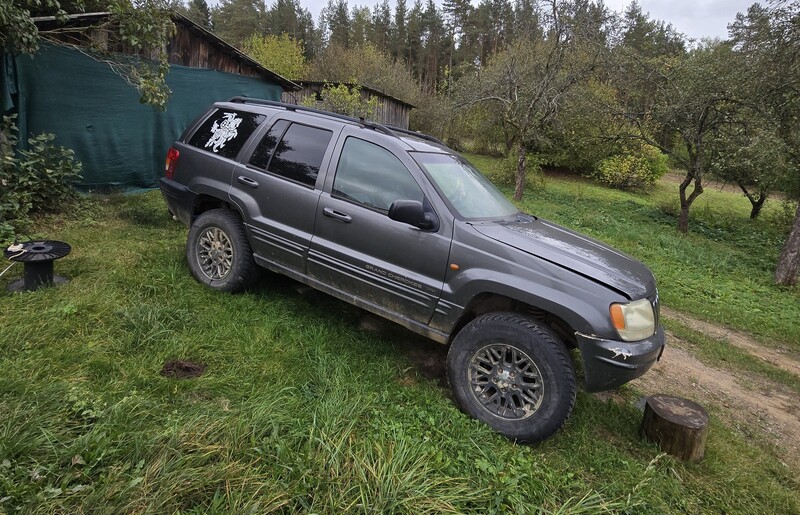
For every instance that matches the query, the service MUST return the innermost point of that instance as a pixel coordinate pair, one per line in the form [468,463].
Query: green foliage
[534,177]
[650,38]
[633,171]
[281,54]
[767,39]
[585,130]
[526,83]
[478,128]
[199,12]
[751,155]
[145,26]
[33,180]
[236,20]
[345,99]
[141,27]
[18,33]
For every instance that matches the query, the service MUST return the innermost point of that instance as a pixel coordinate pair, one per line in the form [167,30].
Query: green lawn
[300,410]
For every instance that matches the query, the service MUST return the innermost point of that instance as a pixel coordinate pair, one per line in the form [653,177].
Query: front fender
[584,308]
[480,265]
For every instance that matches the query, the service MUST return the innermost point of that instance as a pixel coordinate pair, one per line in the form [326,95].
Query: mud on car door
[357,248]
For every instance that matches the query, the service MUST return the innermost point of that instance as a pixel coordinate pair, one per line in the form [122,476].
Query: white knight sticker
[223,132]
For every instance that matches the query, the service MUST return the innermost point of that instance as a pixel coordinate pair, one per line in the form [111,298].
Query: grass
[720,271]
[298,409]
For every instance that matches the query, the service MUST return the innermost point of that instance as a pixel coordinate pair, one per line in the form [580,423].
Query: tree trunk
[788,262]
[757,205]
[686,202]
[519,188]
[756,202]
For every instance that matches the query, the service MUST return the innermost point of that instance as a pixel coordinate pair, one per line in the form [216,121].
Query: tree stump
[678,426]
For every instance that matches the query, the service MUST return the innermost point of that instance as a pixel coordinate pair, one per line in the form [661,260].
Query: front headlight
[634,321]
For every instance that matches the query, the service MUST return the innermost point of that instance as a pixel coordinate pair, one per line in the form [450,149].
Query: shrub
[634,171]
[346,100]
[33,180]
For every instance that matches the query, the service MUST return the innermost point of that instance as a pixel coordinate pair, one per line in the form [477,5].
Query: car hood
[573,251]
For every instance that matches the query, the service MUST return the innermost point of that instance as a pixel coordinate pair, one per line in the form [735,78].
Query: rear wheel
[512,373]
[218,252]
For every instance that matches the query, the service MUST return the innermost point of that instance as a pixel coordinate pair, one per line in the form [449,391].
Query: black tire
[525,396]
[219,253]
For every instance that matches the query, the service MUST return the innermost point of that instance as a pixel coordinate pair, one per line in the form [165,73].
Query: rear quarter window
[226,131]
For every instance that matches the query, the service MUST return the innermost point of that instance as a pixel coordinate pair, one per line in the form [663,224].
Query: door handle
[337,215]
[247,181]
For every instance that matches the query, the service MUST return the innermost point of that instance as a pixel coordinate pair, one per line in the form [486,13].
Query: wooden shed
[391,110]
[192,45]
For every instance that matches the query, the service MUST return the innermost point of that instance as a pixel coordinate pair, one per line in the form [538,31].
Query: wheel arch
[488,302]
[204,202]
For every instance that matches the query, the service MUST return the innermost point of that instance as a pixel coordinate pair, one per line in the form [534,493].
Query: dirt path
[779,357]
[755,405]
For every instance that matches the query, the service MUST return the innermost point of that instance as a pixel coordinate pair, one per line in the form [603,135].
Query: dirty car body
[400,225]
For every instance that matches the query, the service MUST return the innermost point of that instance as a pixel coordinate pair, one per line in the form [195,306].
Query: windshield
[470,193]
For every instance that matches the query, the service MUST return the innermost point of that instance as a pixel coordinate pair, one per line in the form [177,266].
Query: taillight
[172,160]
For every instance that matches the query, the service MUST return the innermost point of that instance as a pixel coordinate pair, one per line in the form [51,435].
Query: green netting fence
[92,110]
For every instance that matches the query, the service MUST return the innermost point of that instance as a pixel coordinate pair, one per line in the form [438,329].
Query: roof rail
[294,107]
[417,134]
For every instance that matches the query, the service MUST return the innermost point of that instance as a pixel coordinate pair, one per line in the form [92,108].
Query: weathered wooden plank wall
[389,111]
[189,48]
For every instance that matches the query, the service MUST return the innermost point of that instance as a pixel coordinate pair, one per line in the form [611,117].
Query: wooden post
[678,426]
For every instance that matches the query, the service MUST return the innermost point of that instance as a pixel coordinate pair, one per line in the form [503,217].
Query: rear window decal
[223,132]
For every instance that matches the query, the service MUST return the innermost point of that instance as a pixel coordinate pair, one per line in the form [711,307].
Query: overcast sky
[695,18]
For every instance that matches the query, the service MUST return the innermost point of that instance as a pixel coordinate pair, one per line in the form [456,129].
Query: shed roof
[82,19]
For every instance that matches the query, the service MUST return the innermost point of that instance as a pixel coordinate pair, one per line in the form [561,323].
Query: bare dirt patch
[182,369]
[779,357]
[750,403]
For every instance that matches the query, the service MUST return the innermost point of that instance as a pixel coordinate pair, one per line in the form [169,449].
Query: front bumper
[608,364]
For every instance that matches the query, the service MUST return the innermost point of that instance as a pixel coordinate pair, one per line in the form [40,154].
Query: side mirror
[413,213]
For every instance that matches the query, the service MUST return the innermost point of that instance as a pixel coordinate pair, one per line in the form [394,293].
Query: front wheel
[218,252]
[512,373]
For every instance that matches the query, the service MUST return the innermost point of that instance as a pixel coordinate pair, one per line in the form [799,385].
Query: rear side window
[226,131]
[265,148]
[297,156]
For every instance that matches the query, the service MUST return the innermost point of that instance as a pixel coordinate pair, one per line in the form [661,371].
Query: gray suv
[398,224]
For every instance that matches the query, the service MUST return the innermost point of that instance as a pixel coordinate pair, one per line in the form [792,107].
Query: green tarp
[93,111]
